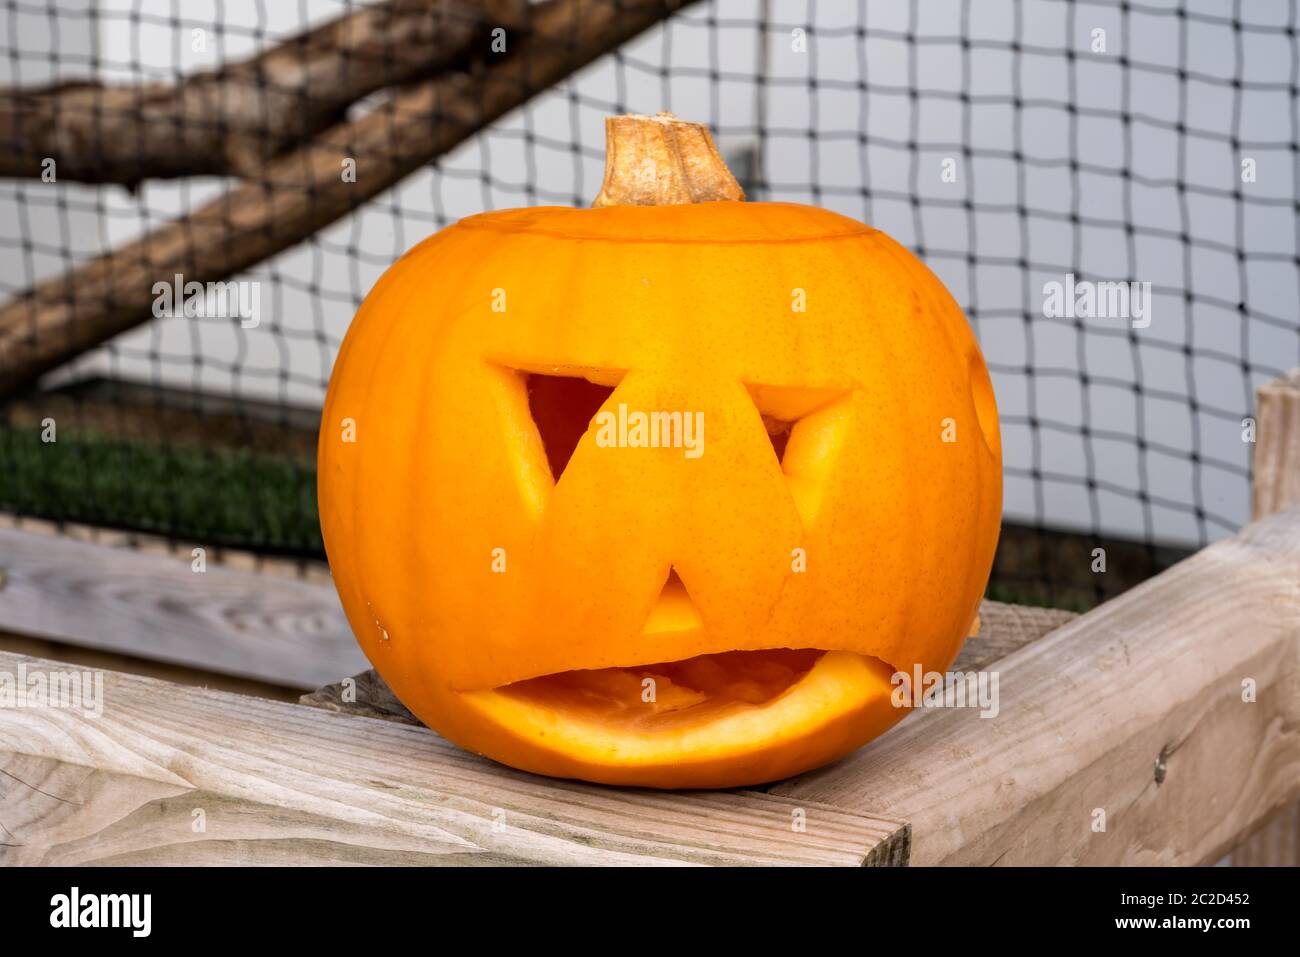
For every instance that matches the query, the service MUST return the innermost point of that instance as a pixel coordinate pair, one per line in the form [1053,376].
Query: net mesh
[1012,144]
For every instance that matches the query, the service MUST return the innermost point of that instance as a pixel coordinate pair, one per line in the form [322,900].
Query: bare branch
[303,191]
[231,120]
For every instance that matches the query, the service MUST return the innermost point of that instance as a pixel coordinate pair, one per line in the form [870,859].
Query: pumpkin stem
[662,161]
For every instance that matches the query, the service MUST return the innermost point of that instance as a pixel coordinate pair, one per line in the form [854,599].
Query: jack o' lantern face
[660,495]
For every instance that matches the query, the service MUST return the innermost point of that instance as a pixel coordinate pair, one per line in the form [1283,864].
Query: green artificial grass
[213,496]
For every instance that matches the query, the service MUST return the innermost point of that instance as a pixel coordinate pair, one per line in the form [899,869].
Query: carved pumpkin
[662,492]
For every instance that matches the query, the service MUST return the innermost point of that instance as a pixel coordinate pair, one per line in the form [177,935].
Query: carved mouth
[654,699]
[753,713]
[662,695]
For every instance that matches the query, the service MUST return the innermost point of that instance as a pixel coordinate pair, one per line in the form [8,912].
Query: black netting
[1010,144]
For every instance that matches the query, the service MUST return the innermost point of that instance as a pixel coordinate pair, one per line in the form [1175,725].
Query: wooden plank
[313,570]
[89,658]
[279,783]
[1135,709]
[274,629]
[1276,486]
[1277,446]
[1005,628]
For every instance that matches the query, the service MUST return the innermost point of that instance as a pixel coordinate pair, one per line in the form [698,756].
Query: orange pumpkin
[662,492]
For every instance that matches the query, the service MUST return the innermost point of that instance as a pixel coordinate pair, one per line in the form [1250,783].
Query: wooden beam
[1005,628]
[88,658]
[234,622]
[231,120]
[304,190]
[1140,709]
[1277,445]
[1276,486]
[304,569]
[276,783]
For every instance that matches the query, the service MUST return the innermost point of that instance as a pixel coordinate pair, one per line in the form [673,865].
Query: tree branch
[231,120]
[303,191]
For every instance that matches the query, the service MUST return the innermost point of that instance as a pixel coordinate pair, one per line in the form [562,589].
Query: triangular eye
[782,407]
[562,408]
[805,427]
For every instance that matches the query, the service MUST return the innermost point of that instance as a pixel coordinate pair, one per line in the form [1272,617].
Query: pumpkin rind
[680,308]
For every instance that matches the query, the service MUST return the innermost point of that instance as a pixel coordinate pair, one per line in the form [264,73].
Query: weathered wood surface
[276,783]
[1135,709]
[303,191]
[77,657]
[1276,486]
[277,566]
[231,120]
[274,629]
[1004,628]
[1277,446]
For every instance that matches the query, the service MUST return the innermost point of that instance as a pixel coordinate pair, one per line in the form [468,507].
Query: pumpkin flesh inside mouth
[658,697]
